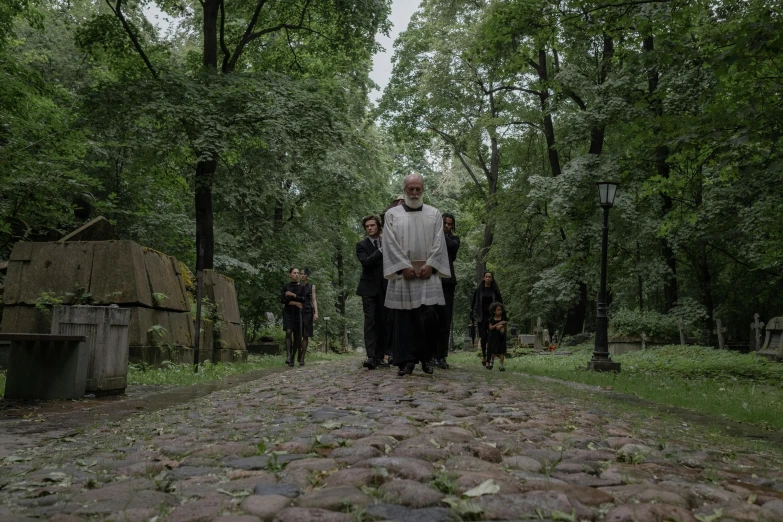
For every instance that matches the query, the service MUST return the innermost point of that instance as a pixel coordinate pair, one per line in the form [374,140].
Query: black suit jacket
[371,282]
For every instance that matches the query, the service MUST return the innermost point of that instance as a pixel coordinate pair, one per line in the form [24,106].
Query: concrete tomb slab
[46,366]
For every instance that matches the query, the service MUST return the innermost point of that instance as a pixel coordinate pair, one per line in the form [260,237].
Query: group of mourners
[300,309]
[407,288]
[408,284]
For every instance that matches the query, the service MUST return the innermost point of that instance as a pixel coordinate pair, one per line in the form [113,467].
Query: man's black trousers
[444,322]
[375,334]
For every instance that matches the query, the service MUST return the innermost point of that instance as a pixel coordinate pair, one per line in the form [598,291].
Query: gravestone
[682,331]
[773,343]
[527,339]
[538,332]
[757,326]
[719,330]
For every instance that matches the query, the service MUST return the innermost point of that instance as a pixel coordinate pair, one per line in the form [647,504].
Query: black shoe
[441,363]
[382,363]
[489,365]
[301,363]
[426,368]
[502,368]
[405,369]
[369,364]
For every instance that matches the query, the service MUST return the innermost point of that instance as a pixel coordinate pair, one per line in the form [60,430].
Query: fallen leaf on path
[488,487]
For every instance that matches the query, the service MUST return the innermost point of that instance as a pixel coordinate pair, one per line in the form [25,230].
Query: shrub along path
[331,442]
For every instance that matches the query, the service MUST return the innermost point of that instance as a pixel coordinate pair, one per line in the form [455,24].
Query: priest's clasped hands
[425,272]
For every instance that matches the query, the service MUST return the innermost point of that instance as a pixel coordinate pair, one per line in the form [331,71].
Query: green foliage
[631,323]
[45,301]
[159,297]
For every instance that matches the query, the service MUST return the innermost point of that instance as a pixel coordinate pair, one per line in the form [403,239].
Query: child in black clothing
[497,335]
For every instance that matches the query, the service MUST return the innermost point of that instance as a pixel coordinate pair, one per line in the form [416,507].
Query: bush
[632,323]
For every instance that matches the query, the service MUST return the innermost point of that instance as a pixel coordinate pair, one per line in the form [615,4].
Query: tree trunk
[206,168]
[670,292]
[576,315]
[491,172]
[549,129]
[205,234]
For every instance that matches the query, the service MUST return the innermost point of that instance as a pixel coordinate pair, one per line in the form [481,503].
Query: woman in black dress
[292,297]
[485,294]
[309,311]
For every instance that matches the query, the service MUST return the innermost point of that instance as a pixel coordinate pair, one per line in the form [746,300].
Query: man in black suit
[449,288]
[372,289]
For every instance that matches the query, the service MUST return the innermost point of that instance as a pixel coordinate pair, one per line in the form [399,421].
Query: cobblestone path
[330,442]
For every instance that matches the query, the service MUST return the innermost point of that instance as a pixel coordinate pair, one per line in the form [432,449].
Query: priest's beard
[414,202]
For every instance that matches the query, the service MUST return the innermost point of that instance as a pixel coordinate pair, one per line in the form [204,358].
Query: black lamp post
[602,361]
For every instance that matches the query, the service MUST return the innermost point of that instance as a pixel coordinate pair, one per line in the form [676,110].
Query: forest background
[247,126]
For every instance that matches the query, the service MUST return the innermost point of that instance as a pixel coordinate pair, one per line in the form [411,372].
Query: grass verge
[741,387]
[171,374]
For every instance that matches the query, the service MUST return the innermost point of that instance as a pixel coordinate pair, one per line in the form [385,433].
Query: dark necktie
[375,243]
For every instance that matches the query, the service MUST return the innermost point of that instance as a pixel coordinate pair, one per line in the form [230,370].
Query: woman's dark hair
[291,270]
[493,285]
[453,221]
[369,218]
[306,271]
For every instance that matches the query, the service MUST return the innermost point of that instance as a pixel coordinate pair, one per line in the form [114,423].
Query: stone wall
[131,276]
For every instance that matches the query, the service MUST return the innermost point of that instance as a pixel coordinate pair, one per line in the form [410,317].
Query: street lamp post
[602,361]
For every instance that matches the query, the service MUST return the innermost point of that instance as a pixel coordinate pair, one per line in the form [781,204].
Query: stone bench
[44,366]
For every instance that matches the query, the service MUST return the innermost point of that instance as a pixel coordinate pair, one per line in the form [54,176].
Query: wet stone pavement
[334,443]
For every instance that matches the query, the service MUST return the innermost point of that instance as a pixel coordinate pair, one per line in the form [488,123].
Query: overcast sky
[382,62]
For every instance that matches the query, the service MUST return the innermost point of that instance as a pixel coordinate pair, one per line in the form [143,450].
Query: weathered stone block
[221,291]
[46,366]
[106,329]
[230,336]
[47,267]
[154,355]
[98,229]
[228,356]
[165,277]
[119,275]
[113,272]
[27,319]
[179,328]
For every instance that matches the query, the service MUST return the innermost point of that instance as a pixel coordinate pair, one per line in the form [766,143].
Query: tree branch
[453,142]
[510,88]
[293,52]
[223,47]
[531,124]
[117,10]
[227,67]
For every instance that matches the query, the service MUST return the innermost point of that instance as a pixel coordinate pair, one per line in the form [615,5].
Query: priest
[414,260]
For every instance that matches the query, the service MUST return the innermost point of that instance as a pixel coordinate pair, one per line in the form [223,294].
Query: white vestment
[414,237]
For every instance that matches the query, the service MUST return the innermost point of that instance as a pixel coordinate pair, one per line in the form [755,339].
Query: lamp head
[606,193]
